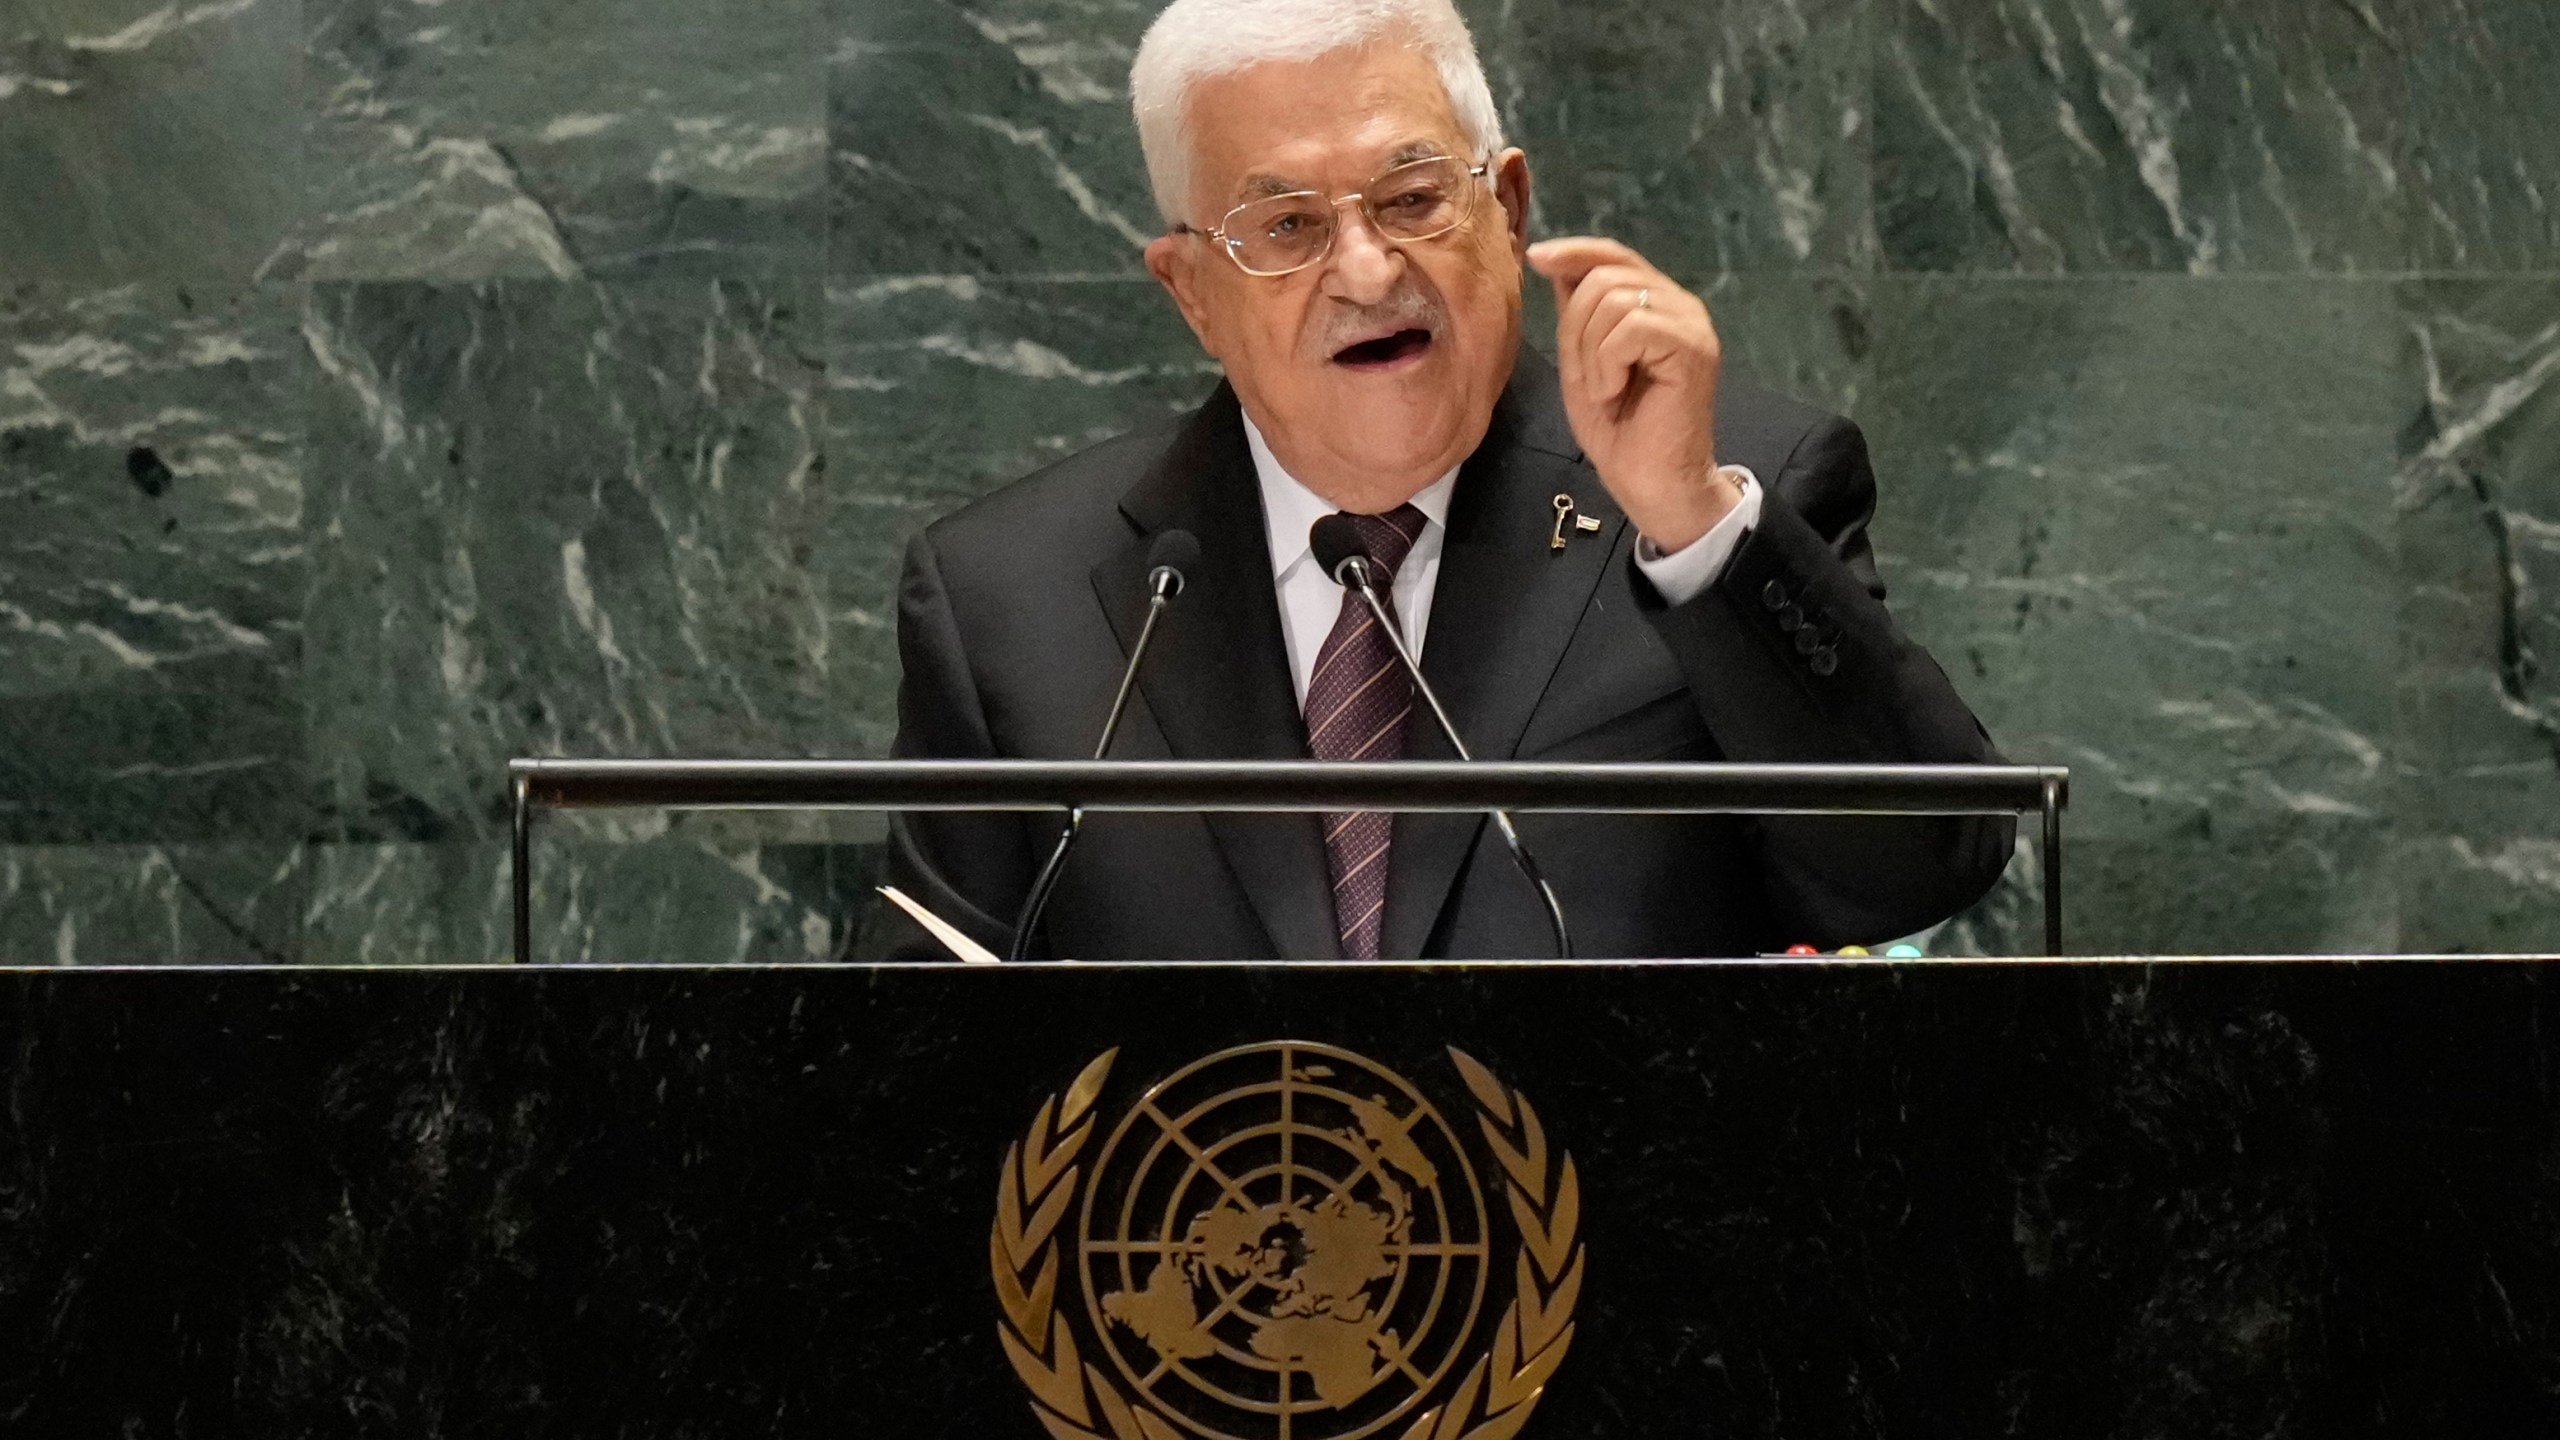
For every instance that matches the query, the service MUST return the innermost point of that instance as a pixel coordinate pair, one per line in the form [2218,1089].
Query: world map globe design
[1284,1242]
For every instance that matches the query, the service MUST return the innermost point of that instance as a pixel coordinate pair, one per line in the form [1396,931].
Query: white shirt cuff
[1684,574]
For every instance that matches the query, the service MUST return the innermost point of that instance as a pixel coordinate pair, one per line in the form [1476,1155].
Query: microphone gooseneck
[1169,559]
[1337,546]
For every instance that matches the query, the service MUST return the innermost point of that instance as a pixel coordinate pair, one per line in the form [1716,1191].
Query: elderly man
[1611,557]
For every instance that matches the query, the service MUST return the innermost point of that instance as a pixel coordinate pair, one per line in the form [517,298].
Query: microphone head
[1170,559]
[1336,542]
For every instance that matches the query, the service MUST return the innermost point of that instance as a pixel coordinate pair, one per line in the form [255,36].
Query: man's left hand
[1640,361]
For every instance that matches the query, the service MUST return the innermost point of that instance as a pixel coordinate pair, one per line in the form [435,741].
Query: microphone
[1169,558]
[1337,545]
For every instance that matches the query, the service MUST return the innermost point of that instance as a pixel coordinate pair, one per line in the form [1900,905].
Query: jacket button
[1807,641]
[1791,620]
[1824,662]
[1773,596]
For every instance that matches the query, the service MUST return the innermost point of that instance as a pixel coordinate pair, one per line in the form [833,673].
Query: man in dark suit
[1347,236]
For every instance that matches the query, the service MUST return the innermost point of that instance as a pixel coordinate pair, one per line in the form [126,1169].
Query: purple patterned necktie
[1357,704]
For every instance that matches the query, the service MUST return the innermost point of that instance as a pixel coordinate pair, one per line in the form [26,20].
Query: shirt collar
[1290,509]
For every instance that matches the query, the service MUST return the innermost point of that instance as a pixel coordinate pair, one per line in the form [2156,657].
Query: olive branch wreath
[1538,1328]
[1071,1396]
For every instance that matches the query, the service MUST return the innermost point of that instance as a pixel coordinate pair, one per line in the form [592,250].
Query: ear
[1175,262]
[1511,183]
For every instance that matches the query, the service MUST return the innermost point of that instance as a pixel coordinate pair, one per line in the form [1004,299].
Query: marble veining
[2486,189]
[240,903]
[2479,520]
[144,142]
[152,542]
[2053,135]
[1757,121]
[983,142]
[2184,602]
[481,140]
[613,495]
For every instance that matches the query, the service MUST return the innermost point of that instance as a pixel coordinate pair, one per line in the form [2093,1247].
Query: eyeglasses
[1280,234]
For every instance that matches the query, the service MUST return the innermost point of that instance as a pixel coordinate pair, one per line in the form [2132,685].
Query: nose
[1365,265]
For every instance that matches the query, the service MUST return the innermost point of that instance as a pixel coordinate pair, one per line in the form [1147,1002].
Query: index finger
[1568,260]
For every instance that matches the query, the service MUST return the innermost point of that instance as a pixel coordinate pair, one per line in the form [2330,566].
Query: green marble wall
[390,387]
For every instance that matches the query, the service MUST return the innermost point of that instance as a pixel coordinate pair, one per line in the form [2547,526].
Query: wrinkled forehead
[1256,184]
[1326,123]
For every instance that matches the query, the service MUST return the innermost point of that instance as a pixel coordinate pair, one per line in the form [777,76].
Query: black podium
[1600,1200]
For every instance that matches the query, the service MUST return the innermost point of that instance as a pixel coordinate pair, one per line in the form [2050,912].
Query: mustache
[1408,308]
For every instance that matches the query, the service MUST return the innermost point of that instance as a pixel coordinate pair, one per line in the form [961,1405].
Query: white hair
[1196,39]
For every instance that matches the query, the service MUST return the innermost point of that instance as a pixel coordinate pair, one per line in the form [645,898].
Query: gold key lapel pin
[1586,524]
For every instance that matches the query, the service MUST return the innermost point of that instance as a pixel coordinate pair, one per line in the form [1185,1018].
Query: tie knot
[1389,538]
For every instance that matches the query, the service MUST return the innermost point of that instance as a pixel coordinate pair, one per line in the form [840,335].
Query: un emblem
[1285,1242]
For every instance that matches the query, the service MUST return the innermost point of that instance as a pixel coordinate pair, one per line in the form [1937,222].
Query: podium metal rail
[1286,786]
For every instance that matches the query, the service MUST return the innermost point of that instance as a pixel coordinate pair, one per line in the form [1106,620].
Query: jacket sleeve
[970,868]
[1792,658]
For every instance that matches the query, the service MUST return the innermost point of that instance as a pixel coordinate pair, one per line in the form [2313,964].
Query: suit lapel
[1504,611]
[1217,681]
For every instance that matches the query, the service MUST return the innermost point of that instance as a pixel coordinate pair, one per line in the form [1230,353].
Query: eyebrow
[1263,184]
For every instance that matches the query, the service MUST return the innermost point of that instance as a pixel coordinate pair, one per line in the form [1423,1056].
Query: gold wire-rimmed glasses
[1281,234]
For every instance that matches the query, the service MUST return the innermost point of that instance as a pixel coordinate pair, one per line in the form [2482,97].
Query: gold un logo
[1284,1242]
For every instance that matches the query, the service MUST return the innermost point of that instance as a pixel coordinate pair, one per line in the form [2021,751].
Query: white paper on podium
[969,951]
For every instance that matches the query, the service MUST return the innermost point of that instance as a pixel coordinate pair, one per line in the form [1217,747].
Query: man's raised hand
[1640,362]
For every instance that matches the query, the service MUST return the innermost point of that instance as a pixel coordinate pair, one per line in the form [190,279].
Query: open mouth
[1385,350]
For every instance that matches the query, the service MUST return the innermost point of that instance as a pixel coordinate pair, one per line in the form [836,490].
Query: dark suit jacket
[1014,614]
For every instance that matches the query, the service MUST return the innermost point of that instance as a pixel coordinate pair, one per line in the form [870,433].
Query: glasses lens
[1420,200]
[1280,234]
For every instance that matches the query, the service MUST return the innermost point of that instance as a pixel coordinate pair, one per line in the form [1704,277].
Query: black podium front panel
[1315,1202]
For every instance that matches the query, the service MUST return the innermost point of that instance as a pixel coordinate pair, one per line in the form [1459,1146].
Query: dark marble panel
[144,141]
[646,889]
[1079,48]
[2048,135]
[2146,525]
[985,140]
[2479,617]
[223,904]
[2259,888]
[481,139]
[409,904]
[2191,1200]
[944,388]
[2483,174]
[1710,136]
[701,887]
[563,519]
[151,565]
[1808,336]
[2259,884]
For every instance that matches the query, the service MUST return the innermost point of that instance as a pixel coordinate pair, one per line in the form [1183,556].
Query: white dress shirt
[1310,601]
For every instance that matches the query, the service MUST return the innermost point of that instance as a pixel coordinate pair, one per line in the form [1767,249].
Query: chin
[1408,441]
[1415,414]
